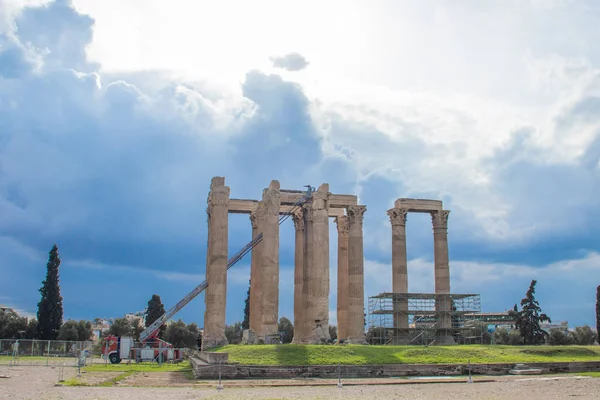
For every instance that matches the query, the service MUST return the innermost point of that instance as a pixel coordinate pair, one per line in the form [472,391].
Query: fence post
[48,354]
[470,378]
[219,386]
[339,385]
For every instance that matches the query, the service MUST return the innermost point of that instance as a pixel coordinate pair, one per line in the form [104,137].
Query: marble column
[269,261]
[442,274]
[255,276]
[399,274]
[299,306]
[342,278]
[356,276]
[216,267]
[303,334]
[317,268]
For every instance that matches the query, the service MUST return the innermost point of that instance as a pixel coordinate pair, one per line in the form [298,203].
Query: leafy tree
[598,312]
[286,328]
[180,335]
[75,331]
[246,321]
[333,332]
[234,333]
[50,309]
[155,310]
[31,328]
[528,320]
[584,335]
[508,337]
[137,327]
[121,327]
[69,331]
[13,326]
[560,337]
[84,330]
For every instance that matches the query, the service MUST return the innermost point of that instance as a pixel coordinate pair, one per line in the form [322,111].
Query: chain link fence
[48,352]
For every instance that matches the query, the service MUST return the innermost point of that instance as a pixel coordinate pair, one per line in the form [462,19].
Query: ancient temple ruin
[311,269]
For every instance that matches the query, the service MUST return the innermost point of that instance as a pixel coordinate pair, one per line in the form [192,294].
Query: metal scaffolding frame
[421,318]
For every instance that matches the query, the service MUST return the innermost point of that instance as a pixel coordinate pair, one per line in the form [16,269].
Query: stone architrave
[442,273]
[356,277]
[317,269]
[399,273]
[216,266]
[255,273]
[299,305]
[342,277]
[269,261]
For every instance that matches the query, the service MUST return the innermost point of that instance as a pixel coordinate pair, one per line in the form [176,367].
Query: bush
[584,335]
[501,336]
[559,337]
[506,336]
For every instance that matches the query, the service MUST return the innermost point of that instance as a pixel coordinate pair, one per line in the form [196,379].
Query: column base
[214,340]
[317,336]
[442,339]
[356,340]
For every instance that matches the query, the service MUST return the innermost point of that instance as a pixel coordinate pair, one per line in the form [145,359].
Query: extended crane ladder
[152,330]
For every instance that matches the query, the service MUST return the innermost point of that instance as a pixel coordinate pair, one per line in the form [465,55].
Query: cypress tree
[50,309]
[528,320]
[246,321]
[155,310]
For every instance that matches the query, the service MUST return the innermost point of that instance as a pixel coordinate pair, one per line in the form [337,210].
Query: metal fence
[48,352]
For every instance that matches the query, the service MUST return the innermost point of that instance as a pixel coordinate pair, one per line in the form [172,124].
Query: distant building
[563,325]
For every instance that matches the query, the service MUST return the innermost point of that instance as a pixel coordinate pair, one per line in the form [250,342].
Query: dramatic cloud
[290,62]
[114,165]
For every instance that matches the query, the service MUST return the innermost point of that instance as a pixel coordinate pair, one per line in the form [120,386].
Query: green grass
[106,383]
[139,367]
[355,354]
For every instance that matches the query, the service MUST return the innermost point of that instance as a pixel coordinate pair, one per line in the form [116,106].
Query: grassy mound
[291,354]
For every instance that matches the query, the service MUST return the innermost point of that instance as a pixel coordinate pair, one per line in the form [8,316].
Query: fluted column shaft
[356,278]
[269,258]
[318,274]
[255,276]
[442,270]
[399,273]
[342,277]
[216,266]
[299,304]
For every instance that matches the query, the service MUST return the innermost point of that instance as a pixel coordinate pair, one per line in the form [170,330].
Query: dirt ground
[39,383]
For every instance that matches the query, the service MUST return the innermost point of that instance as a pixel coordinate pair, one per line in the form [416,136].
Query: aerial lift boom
[152,330]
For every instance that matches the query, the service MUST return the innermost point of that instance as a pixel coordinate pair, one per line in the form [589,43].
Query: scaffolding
[422,318]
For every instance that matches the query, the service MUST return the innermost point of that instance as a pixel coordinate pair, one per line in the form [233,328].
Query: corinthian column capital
[440,219]
[342,224]
[254,220]
[397,216]
[355,214]
[298,218]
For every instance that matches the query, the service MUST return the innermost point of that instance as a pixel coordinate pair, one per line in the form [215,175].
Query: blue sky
[113,119]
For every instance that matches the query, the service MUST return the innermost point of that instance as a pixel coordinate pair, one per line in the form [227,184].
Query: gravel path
[38,383]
